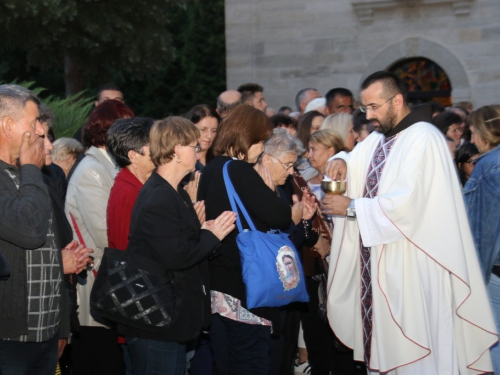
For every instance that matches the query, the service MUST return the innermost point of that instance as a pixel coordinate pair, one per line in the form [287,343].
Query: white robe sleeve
[374,227]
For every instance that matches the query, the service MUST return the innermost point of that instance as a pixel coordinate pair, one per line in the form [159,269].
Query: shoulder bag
[135,291]
[272,271]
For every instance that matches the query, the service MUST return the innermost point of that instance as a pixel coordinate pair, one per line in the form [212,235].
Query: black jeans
[28,358]
[239,348]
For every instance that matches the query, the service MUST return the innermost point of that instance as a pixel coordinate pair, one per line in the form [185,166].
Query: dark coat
[166,229]
[24,221]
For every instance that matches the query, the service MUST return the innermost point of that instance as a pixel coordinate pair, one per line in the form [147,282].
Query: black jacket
[166,229]
[265,208]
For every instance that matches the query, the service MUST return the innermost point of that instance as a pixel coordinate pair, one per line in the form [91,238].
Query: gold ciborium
[333,187]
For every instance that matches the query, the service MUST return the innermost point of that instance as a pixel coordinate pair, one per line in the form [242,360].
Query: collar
[422,112]
[493,150]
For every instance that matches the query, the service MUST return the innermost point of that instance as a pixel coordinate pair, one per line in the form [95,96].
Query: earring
[178,160]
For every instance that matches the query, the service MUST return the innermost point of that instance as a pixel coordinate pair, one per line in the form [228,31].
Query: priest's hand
[335,204]
[336,169]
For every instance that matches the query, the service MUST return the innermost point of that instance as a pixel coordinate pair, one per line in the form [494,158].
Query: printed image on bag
[287,268]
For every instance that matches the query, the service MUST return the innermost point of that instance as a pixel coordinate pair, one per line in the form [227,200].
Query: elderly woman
[65,153]
[482,201]
[86,203]
[240,338]
[166,229]
[342,124]
[127,141]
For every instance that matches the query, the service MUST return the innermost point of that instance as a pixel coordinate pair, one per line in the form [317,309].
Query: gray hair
[65,148]
[339,122]
[46,114]
[13,98]
[301,95]
[281,143]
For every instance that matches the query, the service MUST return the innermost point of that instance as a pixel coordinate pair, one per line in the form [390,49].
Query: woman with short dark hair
[165,228]
[449,124]
[240,338]
[465,156]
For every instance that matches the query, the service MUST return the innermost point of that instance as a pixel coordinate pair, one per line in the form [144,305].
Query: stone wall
[286,45]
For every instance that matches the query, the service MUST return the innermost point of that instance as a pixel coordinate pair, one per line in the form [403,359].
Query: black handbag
[135,291]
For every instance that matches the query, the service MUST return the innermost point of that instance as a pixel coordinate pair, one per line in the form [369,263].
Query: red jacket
[120,205]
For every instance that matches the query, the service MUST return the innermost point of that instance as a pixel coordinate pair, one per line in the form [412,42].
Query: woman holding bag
[165,228]
[240,338]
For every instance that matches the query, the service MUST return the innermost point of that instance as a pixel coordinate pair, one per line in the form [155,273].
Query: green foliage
[70,113]
[95,36]
[189,63]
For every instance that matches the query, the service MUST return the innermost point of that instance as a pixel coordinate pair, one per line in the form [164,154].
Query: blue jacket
[482,201]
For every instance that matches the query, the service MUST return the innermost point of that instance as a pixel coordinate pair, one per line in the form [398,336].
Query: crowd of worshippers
[402,270]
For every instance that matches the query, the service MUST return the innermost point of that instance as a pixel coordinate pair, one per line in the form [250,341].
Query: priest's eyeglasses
[374,107]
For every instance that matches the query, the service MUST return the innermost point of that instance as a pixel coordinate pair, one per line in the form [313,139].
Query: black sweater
[265,208]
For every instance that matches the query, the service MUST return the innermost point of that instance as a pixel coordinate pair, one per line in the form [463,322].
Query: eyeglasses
[286,166]
[374,107]
[197,148]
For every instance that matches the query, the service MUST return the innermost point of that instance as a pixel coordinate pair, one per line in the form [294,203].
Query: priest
[405,289]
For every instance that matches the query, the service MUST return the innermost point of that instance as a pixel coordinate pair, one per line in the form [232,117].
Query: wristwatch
[351,210]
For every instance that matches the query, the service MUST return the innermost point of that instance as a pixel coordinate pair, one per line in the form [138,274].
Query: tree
[90,39]
[192,71]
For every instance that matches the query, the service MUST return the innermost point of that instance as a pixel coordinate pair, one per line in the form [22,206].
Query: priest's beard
[386,124]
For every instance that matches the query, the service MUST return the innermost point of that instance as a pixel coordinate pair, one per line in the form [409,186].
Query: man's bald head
[227,100]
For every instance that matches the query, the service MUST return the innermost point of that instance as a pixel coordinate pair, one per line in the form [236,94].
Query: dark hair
[445,119]
[463,153]
[283,120]
[283,109]
[108,86]
[47,116]
[199,112]
[248,90]
[242,128]
[100,120]
[304,125]
[338,91]
[300,97]
[126,135]
[358,120]
[392,85]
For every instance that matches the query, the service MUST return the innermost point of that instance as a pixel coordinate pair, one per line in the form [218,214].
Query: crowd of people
[402,270]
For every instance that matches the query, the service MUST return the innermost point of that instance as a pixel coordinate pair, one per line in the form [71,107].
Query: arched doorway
[424,81]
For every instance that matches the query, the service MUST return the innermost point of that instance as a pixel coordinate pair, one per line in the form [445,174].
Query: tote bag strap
[235,200]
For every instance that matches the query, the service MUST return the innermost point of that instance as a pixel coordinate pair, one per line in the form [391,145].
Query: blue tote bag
[272,271]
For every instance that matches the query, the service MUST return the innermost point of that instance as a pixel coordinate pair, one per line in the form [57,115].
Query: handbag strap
[235,200]
[80,237]
[77,230]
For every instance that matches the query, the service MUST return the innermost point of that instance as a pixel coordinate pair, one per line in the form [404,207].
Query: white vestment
[431,314]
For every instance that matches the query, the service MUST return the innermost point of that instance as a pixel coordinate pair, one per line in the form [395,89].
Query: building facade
[448,50]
